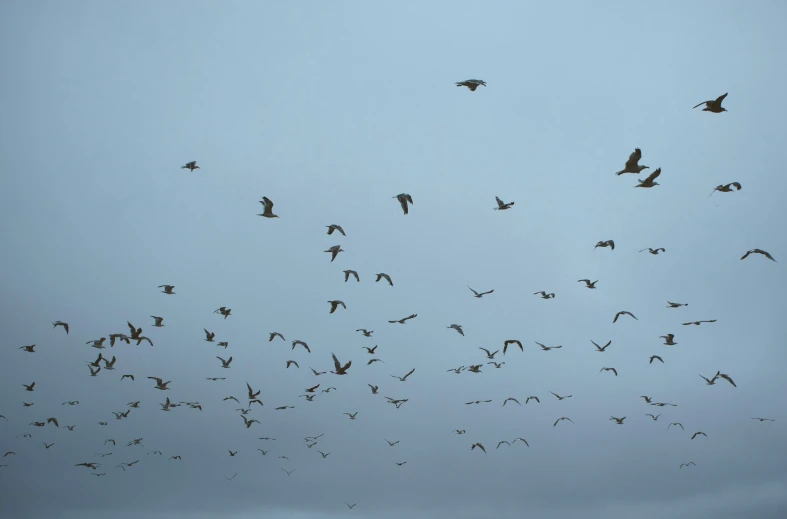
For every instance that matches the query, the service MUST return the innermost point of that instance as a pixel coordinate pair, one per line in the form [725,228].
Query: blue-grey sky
[330,109]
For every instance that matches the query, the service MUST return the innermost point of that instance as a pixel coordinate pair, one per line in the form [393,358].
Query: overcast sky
[331,109]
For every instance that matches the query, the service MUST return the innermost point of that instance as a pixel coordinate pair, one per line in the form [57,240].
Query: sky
[330,109]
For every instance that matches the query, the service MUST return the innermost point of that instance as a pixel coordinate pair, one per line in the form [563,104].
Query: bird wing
[403,203]
[653,175]
[720,99]
[473,291]
[634,158]
[702,103]
[410,373]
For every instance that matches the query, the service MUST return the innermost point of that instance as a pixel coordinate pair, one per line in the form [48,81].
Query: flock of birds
[103,365]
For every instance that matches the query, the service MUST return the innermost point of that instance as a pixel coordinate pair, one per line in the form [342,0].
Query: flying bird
[160,384]
[402,379]
[290,362]
[382,275]
[713,106]
[697,323]
[365,332]
[562,418]
[657,358]
[605,243]
[159,321]
[624,312]
[458,328]
[544,295]
[618,420]
[559,397]
[348,273]
[654,251]
[632,164]
[300,343]
[334,227]
[726,188]
[404,199]
[471,84]
[472,447]
[668,339]
[168,289]
[601,348]
[758,251]
[335,304]
[224,363]
[697,433]
[509,342]
[339,369]
[482,294]
[587,282]
[335,250]
[267,211]
[547,348]
[191,166]
[404,319]
[670,304]
[649,181]
[655,418]
[613,370]
[61,323]
[501,206]
[272,336]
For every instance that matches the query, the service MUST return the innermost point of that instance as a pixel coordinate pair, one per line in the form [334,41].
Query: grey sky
[330,109]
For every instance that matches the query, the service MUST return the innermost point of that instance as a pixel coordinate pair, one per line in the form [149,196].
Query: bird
[601,348]
[168,289]
[365,332]
[547,348]
[653,417]
[605,243]
[649,181]
[587,282]
[711,381]
[160,384]
[334,227]
[512,399]
[687,464]
[109,364]
[697,323]
[318,373]
[30,387]
[632,164]
[533,398]
[654,251]
[300,343]
[390,443]
[509,342]
[655,357]
[471,84]
[335,304]
[28,348]
[47,445]
[231,478]
[501,206]
[713,106]
[726,188]
[472,447]
[668,339]
[311,389]
[372,361]
[404,319]
[402,379]
[758,251]
[404,199]
[458,328]
[232,453]
[267,211]
[482,294]
[382,275]
[624,312]
[348,273]
[670,304]
[558,396]
[159,321]
[764,419]
[335,250]
[400,463]
[350,506]
[127,376]
[209,335]
[223,311]
[61,323]
[352,416]
[489,355]
[369,350]
[374,388]
[501,443]
[272,336]
[562,418]
[544,295]
[697,433]
[290,362]
[289,471]
[613,370]
[618,420]
[324,454]
[498,365]
[727,378]
[340,370]
[191,166]
[224,363]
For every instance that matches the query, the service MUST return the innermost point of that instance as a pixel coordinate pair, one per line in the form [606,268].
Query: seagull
[547,348]
[159,321]
[404,319]
[340,370]
[711,381]
[61,323]
[587,282]
[275,334]
[726,188]
[47,445]
[252,394]
[300,343]
[28,348]
[29,387]
[400,463]
[456,370]
[334,227]
[168,289]
[654,251]
[655,357]
[391,444]
[632,164]
[458,328]
[758,251]
[335,304]
[110,365]
[335,250]
[191,166]
[268,208]
[473,368]
[374,388]
[223,311]
[558,396]
[471,84]
[512,399]
[489,355]
[289,471]
[713,106]
[382,275]
[480,295]
[233,477]
[324,454]
[509,342]
[232,453]
[348,273]
[562,418]
[352,416]
[764,419]
[472,447]
[369,350]
[97,343]
[654,417]
[501,206]
[613,370]
[478,402]
[459,431]
[532,398]
[501,443]
[209,335]
[605,243]
[668,339]
[371,361]
[290,362]
[402,379]
[224,363]
[318,373]
[647,399]
[697,323]
[311,389]
[498,365]
[687,464]
[698,432]
[365,332]
[544,295]
[670,304]
[648,182]
[601,348]
[624,312]
[618,420]
[350,506]
[404,198]
[160,384]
